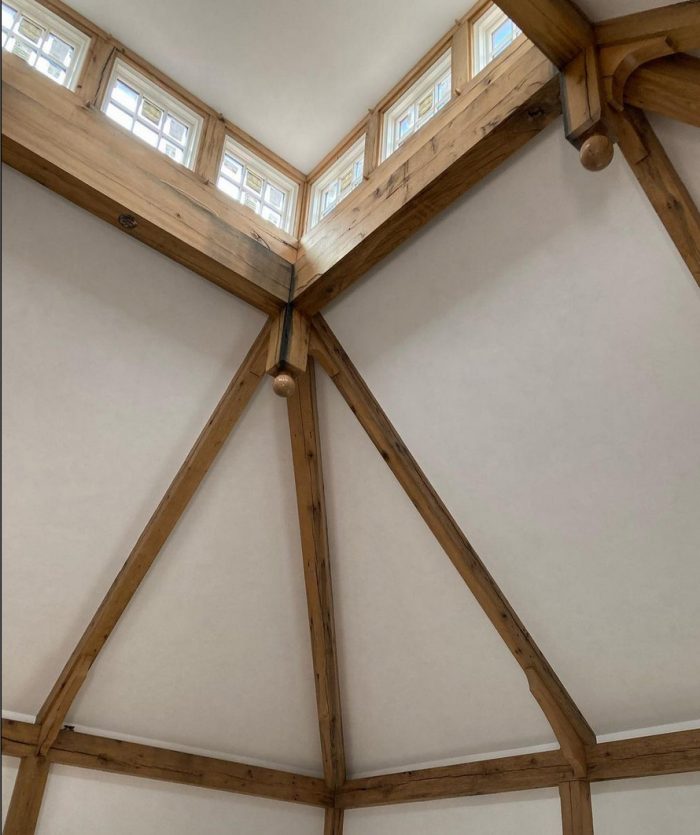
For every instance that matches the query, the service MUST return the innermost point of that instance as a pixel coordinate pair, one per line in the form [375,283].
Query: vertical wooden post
[576,809]
[96,70]
[334,822]
[371,143]
[461,57]
[27,796]
[211,147]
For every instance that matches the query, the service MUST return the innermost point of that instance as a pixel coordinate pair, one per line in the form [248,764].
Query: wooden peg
[284,384]
[597,152]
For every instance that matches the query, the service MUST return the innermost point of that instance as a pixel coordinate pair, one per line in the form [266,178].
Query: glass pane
[443,90]
[405,125]
[125,95]
[176,130]
[254,182]
[330,195]
[118,115]
[145,133]
[8,16]
[273,217]
[274,196]
[501,37]
[151,112]
[24,51]
[346,179]
[59,50]
[233,168]
[358,168]
[251,202]
[425,105]
[229,188]
[171,150]
[52,70]
[31,31]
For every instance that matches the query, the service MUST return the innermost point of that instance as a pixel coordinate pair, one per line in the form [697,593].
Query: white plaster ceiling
[297,76]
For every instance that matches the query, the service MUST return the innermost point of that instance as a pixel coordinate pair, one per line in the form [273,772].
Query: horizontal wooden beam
[330,354]
[648,756]
[19,739]
[149,544]
[50,135]
[498,113]
[668,86]
[557,27]
[680,23]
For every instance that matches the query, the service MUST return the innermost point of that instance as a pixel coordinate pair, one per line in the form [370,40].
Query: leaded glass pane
[24,51]
[254,182]
[272,216]
[30,30]
[251,202]
[117,114]
[232,168]
[346,179]
[171,150]
[8,16]
[425,105]
[274,196]
[151,112]
[145,133]
[228,187]
[54,71]
[59,50]
[176,130]
[126,96]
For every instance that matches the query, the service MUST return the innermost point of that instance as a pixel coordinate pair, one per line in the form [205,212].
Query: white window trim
[482,30]
[415,92]
[357,149]
[272,175]
[149,89]
[66,31]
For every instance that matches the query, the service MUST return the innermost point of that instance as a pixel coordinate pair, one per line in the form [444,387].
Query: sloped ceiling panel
[424,675]
[110,804]
[214,651]
[537,349]
[522,813]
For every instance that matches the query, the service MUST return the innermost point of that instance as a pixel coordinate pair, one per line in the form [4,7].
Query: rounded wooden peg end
[597,152]
[283,385]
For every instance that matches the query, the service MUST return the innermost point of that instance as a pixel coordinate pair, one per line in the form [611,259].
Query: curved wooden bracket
[619,62]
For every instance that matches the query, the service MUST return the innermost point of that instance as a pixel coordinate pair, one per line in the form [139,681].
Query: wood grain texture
[119,757]
[333,823]
[289,342]
[582,96]
[28,792]
[679,22]
[647,756]
[557,27]
[576,809]
[48,134]
[664,188]
[326,348]
[498,113]
[154,536]
[308,477]
[668,86]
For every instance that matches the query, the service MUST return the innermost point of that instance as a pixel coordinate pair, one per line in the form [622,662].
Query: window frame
[54,24]
[272,176]
[353,154]
[482,29]
[147,88]
[438,70]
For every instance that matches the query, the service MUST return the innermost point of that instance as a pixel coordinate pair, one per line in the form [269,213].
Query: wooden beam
[333,824]
[679,22]
[557,27]
[576,809]
[308,477]
[668,86]
[505,774]
[119,757]
[461,57]
[648,756]
[325,347]
[154,536]
[664,188]
[50,135]
[571,744]
[499,112]
[582,96]
[25,804]
[289,342]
